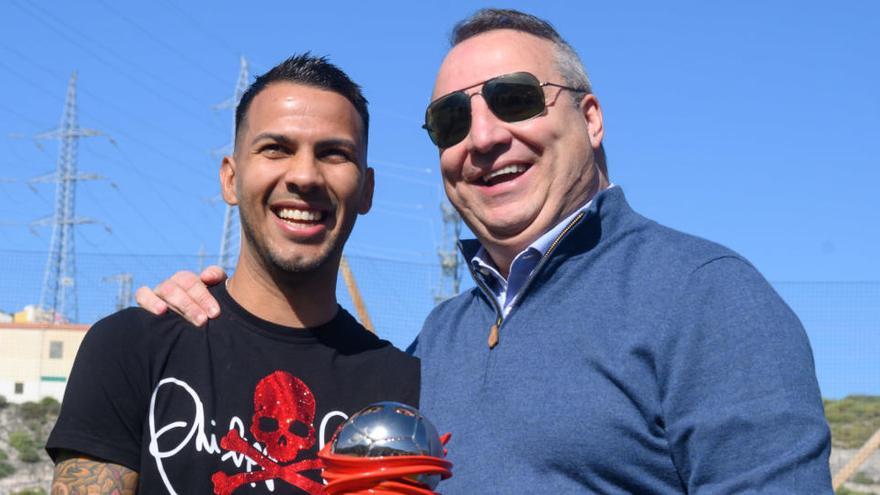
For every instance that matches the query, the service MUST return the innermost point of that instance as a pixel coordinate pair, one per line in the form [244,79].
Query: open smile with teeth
[503,174]
[297,216]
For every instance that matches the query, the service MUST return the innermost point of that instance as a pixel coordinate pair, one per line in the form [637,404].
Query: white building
[36,358]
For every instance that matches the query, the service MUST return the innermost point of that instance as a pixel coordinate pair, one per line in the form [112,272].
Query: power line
[135,80]
[144,219]
[385,173]
[148,178]
[403,166]
[20,115]
[217,40]
[45,16]
[398,204]
[151,182]
[98,98]
[180,218]
[160,42]
[118,132]
[111,256]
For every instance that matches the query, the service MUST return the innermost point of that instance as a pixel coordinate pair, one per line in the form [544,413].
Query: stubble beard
[276,265]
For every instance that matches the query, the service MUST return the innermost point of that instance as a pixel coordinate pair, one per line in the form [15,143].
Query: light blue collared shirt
[506,292]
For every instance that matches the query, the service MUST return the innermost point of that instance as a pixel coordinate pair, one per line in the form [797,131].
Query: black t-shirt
[194,410]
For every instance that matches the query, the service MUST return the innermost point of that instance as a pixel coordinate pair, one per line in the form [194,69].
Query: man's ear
[366,201]
[227,180]
[595,122]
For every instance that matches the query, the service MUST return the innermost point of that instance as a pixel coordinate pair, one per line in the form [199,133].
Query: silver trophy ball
[388,429]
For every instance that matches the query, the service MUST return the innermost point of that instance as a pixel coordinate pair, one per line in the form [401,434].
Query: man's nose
[487,130]
[304,172]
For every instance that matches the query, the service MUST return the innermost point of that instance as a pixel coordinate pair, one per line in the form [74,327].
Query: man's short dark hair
[308,70]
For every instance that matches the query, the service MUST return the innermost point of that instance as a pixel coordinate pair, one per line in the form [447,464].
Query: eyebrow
[325,143]
[345,143]
[272,136]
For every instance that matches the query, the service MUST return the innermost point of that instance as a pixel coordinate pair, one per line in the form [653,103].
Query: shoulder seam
[722,257]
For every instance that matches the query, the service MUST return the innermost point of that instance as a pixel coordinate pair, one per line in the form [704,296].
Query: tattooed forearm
[79,475]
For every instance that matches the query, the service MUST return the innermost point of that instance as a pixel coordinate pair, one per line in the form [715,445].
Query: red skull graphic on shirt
[284,413]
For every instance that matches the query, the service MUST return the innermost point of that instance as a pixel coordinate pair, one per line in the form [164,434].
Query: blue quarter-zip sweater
[638,360]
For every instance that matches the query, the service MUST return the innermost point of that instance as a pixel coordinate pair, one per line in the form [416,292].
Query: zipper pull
[493,336]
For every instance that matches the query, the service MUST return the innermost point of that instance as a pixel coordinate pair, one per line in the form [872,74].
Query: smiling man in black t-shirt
[155,405]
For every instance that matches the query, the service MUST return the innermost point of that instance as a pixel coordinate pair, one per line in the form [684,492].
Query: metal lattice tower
[201,257]
[231,228]
[123,292]
[450,262]
[58,298]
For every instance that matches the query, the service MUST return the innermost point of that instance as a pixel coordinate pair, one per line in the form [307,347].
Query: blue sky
[754,124]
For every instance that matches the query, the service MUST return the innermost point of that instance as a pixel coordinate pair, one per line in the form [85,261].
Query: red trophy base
[394,475]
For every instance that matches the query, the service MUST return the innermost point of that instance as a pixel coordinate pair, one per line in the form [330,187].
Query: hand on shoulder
[186,294]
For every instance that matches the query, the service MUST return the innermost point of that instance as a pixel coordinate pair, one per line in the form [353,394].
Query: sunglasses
[511,97]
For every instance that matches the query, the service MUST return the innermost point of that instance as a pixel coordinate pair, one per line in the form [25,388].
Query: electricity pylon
[231,228]
[123,292]
[58,297]
[450,261]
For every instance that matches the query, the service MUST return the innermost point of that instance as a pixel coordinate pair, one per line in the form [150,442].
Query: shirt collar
[482,261]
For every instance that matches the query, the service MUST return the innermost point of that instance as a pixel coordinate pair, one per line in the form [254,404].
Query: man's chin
[295,264]
[507,232]
[298,265]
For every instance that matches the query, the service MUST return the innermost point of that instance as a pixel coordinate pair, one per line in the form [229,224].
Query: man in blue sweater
[600,352]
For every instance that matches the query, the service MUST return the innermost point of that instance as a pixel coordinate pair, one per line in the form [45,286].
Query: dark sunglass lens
[514,98]
[448,119]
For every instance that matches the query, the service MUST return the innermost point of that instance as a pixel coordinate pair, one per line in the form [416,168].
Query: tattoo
[77,474]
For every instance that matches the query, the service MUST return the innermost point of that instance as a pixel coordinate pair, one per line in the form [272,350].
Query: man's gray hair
[567,60]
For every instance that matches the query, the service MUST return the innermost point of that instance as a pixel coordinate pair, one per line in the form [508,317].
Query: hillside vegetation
[23,431]
[853,420]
